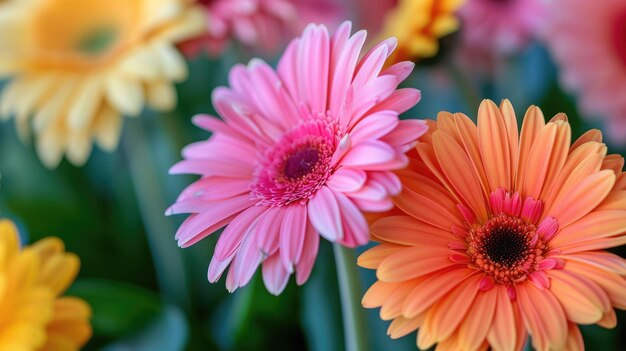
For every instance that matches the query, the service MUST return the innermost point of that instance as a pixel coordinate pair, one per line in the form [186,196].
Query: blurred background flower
[76,68]
[262,26]
[418,25]
[32,279]
[592,57]
[110,211]
[501,26]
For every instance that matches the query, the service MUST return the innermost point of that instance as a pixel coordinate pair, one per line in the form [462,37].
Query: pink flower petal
[368,153]
[309,254]
[355,228]
[275,276]
[347,179]
[324,214]
[292,233]
[237,230]
[268,230]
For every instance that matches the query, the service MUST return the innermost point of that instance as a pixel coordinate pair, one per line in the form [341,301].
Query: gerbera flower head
[300,152]
[501,26]
[591,56]
[418,25]
[76,67]
[263,25]
[498,235]
[32,279]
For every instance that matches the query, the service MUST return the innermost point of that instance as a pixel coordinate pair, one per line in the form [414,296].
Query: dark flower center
[505,246]
[301,163]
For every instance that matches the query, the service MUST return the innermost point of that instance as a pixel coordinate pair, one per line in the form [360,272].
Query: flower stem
[349,288]
[166,256]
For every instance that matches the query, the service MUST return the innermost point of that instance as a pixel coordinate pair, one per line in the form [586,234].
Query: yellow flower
[33,315]
[418,25]
[78,66]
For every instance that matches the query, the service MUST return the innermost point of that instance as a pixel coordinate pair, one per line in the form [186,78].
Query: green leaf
[118,309]
[167,332]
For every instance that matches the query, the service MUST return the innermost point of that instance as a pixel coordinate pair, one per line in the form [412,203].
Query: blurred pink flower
[259,24]
[588,41]
[372,13]
[501,26]
[300,151]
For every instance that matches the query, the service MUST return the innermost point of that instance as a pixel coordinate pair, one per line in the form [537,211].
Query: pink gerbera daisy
[588,41]
[500,26]
[262,24]
[300,152]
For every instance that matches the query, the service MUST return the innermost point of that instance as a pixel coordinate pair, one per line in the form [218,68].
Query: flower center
[619,37]
[301,163]
[296,166]
[98,41]
[506,248]
[509,246]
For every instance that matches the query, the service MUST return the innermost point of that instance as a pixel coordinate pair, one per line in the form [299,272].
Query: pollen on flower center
[296,166]
[506,248]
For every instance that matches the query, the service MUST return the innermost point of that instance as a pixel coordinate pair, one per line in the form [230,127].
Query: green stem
[349,287]
[466,87]
[160,231]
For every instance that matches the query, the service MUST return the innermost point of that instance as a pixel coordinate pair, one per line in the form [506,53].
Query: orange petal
[494,146]
[614,163]
[429,201]
[574,338]
[583,198]
[402,326]
[427,154]
[413,262]
[531,126]
[376,295]
[580,164]
[559,155]
[502,334]
[468,133]
[373,257]
[457,168]
[538,162]
[583,301]
[593,226]
[433,288]
[473,330]
[601,259]
[446,315]
[616,200]
[590,135]
[405,230]
[613,284]
[510,121]
[543,317]
[392,307]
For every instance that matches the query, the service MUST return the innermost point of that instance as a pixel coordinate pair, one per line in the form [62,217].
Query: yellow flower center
[78,34]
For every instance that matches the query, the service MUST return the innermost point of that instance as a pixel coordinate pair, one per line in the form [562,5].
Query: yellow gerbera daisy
[33,315]
[78,66]
[418,25]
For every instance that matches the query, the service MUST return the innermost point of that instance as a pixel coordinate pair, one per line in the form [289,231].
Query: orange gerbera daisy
[499,235]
